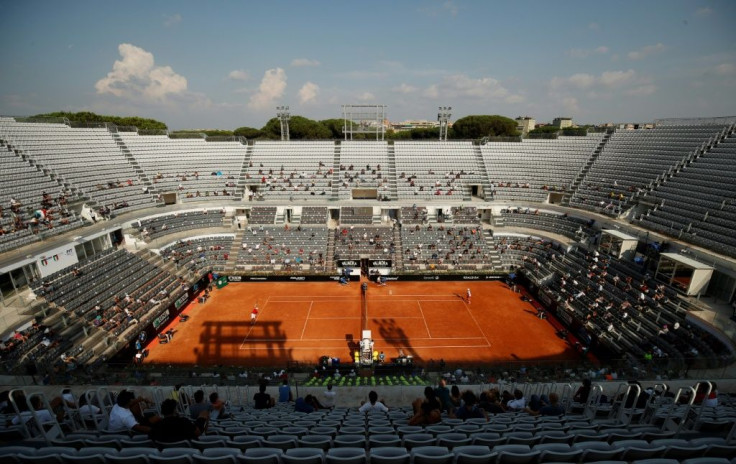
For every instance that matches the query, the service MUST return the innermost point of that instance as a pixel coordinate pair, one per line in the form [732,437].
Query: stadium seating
[196,169]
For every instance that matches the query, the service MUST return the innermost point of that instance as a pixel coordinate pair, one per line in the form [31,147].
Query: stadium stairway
[234,251]
[492,252]
[487,189]
[131,159]
[584,171]
[336,174]
[393,185]
[242,185]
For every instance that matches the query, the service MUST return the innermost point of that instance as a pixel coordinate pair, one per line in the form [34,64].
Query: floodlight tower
[283,114]
[443,116]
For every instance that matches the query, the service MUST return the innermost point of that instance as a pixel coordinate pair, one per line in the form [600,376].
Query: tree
[335,127]
[86,117]
[478,126]
[300,128]
[545,130]
[248,132]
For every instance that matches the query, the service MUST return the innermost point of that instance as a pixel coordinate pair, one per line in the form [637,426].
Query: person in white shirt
[122,418]
[373,404]
[518,403]
[329,397]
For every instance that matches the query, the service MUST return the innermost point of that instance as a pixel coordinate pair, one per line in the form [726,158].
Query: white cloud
[725,69]
[238,75]
[366,96]
[584,81]
[571,104]
[617,78]
[304,62]
[460,85]
[172,20]
[645,51]
[641,90]
[432,91]
[594,26]
[705,11]
[136,75]
[272,88]
[404,88]
[584,53]
[450,7]
[308,93]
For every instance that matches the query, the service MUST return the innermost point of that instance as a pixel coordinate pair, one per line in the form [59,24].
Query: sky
[227,64]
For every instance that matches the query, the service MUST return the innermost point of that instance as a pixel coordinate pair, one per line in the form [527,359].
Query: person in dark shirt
[262,400]
[490,402]
[199,405]
[469,409]
[174,427]
[427,410]
[545,406]
[581,396]
[443,394]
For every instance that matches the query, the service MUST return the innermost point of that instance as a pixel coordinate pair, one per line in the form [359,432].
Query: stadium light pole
[443,116]
[282,112]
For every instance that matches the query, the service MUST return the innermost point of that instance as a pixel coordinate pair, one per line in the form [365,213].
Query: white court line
[423,318]
[340,347]
[306,320]
[476,323]
[386,339]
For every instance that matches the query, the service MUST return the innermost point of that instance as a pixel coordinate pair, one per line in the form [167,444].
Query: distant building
[562,122]
[525,124]
[415,124]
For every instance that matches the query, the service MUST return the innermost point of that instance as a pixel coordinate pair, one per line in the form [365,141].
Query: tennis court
[306,320]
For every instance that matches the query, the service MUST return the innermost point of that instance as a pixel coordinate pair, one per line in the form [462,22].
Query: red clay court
[304,321]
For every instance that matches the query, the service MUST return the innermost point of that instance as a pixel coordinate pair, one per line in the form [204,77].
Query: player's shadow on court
[225,342]
[394,335]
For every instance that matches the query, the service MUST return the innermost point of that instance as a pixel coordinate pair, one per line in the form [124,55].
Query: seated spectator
[199,405]
[427,410]
[87,412]
[443,394]
[518,403]
[469,408]
[122,418]
[42,415]
[217,407]
[329,397]
[285,392]
[491,403]
[263,400]
[307,404]
[373,404]
[172,427]
[581,396]
[543,406]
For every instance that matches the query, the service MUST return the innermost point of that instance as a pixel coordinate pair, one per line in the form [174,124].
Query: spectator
[543,406]
[373,404]
[198,406]
[122,418]
[329,397]
[443,394]
[469,409]
[262,400]
[581,396]
[518,402]
[217,407]
[285,392]
[173,427]
[427,410]
[455,396]
[307,404]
